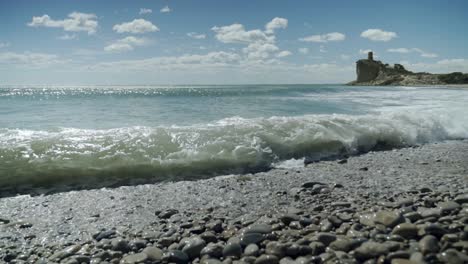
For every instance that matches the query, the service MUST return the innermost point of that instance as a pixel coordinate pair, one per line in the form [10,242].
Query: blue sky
[223,42]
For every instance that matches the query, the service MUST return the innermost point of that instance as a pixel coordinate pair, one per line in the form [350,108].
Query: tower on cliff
[370,56]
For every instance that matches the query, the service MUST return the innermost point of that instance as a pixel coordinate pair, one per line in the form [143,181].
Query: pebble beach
[401,206]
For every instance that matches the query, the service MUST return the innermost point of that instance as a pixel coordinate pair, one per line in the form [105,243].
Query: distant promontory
[375,73]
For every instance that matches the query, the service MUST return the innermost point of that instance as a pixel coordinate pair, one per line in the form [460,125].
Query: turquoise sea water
[69,135]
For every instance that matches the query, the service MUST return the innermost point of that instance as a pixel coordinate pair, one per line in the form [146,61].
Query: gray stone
[344,244]
[429,244]
[167,213]
[406,230]
[104,234]
[288,218]
[134,258]
[251,238]
[388,218]
[193,247]
[276,248]
[326,238]
[371,249]
[252,250]
[232,249]
[453,256]
[176,256]
[462,198]
[120,244]
[435,230]
[267,259]
[258,228]
[447,207]
[210,261]
[65,253]
[153,253]
[212,250]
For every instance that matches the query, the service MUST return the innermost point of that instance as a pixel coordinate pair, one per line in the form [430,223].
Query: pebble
[326,238]
[406,230]
[252,250]
[251,238]
[153,253]
[134,258]
[276,248]
[429,244]
[388,218]
[371,250]
[462,198]
[267,259]
[176,256]
[193,247]
[447,207]
[232,249]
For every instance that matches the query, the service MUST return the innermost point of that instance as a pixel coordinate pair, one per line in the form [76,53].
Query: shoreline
[305,208]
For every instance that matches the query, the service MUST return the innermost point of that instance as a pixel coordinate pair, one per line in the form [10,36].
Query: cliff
[374,73]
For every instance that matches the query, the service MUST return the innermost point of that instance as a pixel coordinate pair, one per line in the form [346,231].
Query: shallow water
[52,135]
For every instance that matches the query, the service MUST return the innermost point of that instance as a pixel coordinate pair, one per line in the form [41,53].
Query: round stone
[212,250]
[406,230]
[153,253]
[276,248]
[267,259]
[176,256]
[232,249]
[251,238]
[258,228]
[429,244]
[388,218]
[326,238]
[134,258]
[251,250]
[370,250]
[193,247]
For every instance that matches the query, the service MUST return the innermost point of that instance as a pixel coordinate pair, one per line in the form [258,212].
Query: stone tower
[370,56]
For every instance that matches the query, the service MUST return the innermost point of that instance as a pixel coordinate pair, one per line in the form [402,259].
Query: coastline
[300,205]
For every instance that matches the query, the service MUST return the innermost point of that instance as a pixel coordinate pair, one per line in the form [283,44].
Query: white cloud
[4,44]
[345,57]
[259,50]
[399,50]
[196,36]
[236,33]
[364,52]
[144,11]
[322,49]
[165,9]
[29,59]
[420,51]
[276,23]
[68,37]
[137,26]
[75,22]
[333,36]
[425,54]
[261,46]
[283,53]
[212,59]
[376,34]
[303,50]
[441,66]
[125,44]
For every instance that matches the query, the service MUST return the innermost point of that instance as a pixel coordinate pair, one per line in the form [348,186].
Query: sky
[145,42]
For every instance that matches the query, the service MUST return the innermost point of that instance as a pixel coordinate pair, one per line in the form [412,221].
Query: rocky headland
[371,72]
[401,206]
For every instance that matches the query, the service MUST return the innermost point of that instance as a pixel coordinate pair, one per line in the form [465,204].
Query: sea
[115,135]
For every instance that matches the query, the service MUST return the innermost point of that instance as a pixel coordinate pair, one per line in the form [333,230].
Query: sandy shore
[390,206]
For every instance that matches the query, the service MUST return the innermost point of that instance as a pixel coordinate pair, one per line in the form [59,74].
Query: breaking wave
[72,157]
